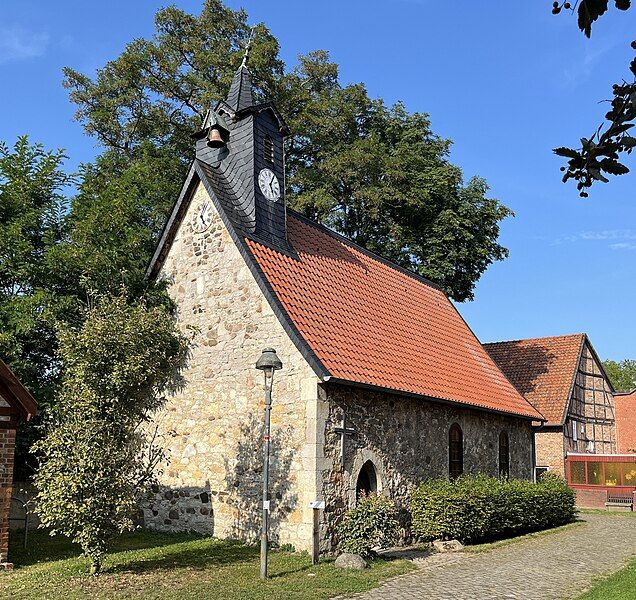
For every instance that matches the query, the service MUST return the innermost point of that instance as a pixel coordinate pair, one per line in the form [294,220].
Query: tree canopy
[376,174]
[32,205]
[622,374]
[599,155]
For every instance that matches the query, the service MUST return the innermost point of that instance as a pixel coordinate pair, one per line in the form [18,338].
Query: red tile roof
[542,369]
[370,322]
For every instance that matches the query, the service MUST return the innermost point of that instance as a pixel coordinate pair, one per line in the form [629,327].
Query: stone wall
[407,441]
[7,448]
[211,428]
[549,450]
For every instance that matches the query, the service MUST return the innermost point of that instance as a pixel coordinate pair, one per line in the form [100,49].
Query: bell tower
[240,150]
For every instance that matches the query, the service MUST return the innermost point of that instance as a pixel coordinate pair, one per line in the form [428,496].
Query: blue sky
[505,81]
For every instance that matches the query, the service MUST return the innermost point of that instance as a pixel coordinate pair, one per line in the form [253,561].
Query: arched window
[455,451]
[268,150]
[367,480]
[504,455]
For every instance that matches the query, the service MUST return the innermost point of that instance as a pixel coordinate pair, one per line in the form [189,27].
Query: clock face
[202,217]
[269,185]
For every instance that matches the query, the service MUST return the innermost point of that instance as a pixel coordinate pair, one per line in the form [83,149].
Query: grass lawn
[607,513]
[619,586]
[155,565]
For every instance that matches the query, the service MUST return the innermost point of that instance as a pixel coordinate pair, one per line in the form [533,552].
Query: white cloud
[19,44]
[579,70]
[623,246]
[603,235]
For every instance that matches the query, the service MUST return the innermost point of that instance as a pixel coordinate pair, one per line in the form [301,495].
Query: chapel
[383,383]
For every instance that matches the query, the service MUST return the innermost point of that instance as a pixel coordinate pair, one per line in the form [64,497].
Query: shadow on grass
[291,571]
[42,547]
[212,553]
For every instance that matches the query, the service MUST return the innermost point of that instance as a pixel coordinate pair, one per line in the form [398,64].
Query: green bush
[372,523]
[480,508]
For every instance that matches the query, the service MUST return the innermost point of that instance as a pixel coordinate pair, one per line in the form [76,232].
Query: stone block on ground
[351,561]
[448,546]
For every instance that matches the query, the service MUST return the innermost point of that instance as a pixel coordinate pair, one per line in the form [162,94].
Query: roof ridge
[547,337]
[370,253]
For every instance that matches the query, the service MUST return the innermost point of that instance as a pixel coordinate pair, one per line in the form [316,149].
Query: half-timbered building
[564,379]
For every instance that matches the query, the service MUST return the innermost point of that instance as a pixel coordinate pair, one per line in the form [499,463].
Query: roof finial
[248,47]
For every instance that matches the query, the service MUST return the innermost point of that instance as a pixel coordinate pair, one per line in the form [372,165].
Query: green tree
[32,205]
[599,154]
[376,174]
[99,456]
[112,228]
[622,374]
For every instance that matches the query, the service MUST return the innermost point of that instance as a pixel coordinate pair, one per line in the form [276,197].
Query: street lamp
[268,362]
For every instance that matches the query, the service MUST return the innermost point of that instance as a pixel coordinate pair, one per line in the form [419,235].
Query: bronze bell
[215,139]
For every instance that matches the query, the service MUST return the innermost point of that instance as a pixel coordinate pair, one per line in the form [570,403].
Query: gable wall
[591,410]
[212,427]
[407,440]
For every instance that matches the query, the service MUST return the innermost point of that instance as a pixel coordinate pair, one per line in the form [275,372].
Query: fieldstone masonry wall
[7,447]
[212,428]
[407,440]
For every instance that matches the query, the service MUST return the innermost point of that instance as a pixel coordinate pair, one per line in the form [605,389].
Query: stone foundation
[188,509]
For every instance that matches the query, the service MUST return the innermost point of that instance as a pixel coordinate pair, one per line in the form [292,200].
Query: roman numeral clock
[268,182]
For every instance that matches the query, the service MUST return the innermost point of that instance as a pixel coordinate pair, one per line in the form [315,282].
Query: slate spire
[240,95]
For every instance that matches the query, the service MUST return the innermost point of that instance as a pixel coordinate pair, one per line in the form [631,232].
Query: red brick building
[625,406]
[564,379]
[16,404]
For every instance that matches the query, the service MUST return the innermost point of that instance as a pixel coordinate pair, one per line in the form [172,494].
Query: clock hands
[202,218]
[269,184]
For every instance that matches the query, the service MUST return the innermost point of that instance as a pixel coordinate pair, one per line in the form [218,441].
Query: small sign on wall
[317,504]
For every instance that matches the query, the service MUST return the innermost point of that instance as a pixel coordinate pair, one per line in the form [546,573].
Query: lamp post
[268,362]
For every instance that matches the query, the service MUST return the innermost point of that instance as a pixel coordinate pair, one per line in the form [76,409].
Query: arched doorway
[367,480]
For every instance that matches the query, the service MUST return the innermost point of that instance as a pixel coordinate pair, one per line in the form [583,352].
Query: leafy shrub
[372,523]
[479,508]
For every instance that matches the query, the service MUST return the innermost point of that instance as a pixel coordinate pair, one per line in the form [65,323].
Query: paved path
[549,567]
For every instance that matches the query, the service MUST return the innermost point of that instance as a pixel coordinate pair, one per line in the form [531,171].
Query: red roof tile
[542,369]
[370,322]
